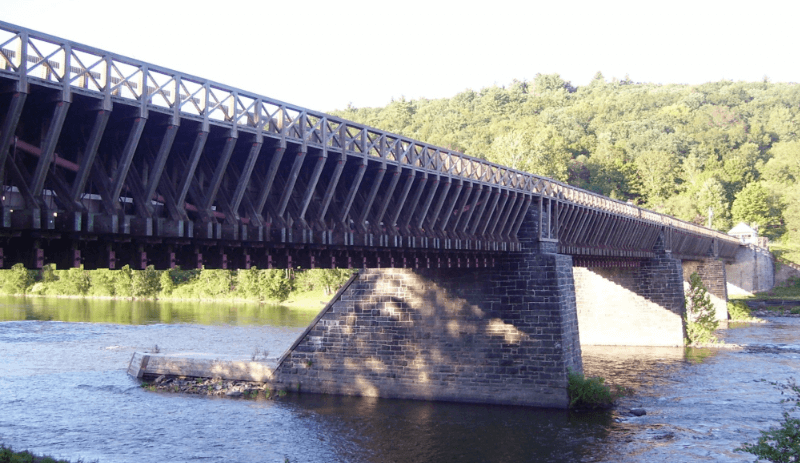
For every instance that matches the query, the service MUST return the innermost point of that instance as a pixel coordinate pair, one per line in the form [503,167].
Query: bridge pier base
[632,306]
[712,274]
[504,335]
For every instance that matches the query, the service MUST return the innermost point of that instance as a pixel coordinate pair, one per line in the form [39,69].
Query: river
[64,392]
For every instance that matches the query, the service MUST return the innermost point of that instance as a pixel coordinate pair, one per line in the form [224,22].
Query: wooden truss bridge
[106,161]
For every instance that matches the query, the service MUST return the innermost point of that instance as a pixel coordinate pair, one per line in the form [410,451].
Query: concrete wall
[712,273]
[467,335]
[751,272]
[631,306]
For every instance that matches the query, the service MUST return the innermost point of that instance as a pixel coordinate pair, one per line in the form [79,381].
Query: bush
[9,456]
[700,318]
[779,444]
[738,310]
[588,393]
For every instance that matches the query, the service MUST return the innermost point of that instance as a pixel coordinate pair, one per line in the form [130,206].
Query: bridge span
[474,276]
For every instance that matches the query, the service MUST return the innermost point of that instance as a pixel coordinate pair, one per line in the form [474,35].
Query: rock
[159,379]
[233,393]
[638,411]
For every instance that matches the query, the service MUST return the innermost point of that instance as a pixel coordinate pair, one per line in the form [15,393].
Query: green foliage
[145,283]
[123,282]
[790,289]
[166,282]
[700,315]
[329,280]
[263,284]
[7,455]
[588,393]
[101,282]
[277,285]
[738,310]
[74,281]
[214,282]
[17,280]
[755,205]
[780,444]
[253,284]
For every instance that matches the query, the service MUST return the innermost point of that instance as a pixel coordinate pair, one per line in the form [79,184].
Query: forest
[720,153]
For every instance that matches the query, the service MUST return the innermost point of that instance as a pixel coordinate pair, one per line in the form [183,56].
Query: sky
[325,55]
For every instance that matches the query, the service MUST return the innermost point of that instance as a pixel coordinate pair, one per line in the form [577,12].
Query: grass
[591,393]
[788,291]
[788,251]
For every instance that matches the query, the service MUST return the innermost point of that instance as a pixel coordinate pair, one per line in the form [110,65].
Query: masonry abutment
[632,306]
[505,335]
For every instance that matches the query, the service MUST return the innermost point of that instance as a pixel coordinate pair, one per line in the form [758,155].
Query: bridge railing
[71,67]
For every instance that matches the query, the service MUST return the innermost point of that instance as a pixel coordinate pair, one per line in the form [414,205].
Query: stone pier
[504,335]
[641,305]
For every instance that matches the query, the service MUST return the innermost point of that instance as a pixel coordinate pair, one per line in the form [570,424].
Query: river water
[64,391]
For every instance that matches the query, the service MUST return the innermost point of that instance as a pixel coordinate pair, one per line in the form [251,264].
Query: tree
[657,172]
[791,213]
[214,282]
[549,83]
[712,197]
[123,282]
[74,281]
[700,318]
[276,285]
[754,204]
[101,282]
[166,282]
[17,281]
[145,283]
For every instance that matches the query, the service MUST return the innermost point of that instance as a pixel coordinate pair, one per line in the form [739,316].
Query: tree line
[251,284]
[720,153]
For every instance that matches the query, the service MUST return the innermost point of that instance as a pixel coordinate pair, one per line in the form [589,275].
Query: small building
[748,235]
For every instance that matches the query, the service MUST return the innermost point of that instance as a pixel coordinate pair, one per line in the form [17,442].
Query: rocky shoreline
[215,387]
[776,311]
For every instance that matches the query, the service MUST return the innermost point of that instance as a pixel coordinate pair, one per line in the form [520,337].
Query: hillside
[728,148]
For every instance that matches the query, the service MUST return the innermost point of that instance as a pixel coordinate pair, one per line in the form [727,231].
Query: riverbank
[263,286]
[8,455]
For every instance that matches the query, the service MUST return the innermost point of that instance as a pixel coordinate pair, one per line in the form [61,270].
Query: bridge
[107,161]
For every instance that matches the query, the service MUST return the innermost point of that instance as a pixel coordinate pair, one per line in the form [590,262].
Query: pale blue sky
[324,55]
